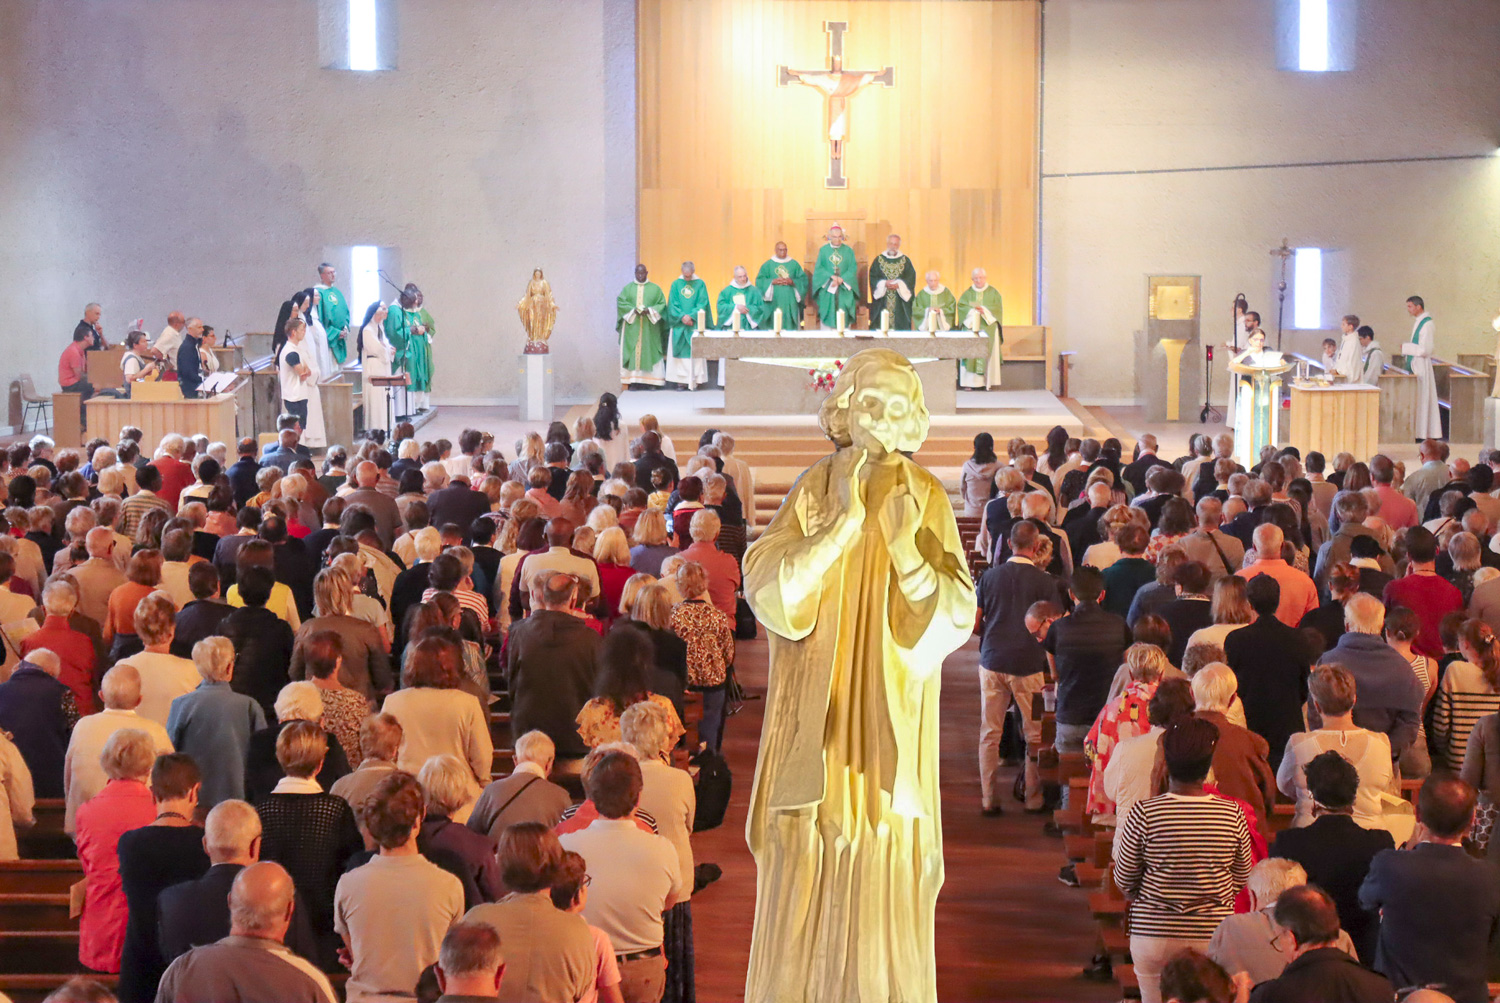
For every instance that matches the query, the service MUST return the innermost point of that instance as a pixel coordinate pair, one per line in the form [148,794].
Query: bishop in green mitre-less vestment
[639,311]
[783,286]
[687,296]
[835,281]
[979,311]
[333,311]
[892,278]
[935,308]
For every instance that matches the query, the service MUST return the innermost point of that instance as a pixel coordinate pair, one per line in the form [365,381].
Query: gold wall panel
[730,162]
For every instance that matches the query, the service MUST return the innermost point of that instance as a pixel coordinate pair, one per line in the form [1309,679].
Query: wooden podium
[1340,418]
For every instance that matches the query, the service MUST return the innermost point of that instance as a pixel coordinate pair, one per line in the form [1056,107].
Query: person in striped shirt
[1470,689]
[1181,857]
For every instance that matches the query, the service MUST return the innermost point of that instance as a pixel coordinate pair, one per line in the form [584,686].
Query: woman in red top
[125,803]
[612,553]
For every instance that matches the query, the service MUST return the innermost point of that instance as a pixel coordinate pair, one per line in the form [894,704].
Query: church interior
[956,298]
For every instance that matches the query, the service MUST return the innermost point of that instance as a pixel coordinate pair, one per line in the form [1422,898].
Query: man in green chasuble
[979,311]
[421,355]
[742,299]
[835,281]
[892,276]
[935,308]
[333,311]
[783,286]
[639,310]
[402,324]
[689,294]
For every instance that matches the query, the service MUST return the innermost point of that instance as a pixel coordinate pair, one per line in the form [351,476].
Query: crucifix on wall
[838,85]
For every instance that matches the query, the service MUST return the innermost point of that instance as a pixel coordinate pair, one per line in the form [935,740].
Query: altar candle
[841,323]
[702,320]
[885,322]
[735,321]
[932,323]
[776,320]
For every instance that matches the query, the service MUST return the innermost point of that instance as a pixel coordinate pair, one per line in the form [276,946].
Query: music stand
[386,384]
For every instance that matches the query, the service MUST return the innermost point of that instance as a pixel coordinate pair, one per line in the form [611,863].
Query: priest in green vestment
[639,309]
[782,282]
[401,324]
[935,308]
[892,278]
[687,296]
[421,355]
[743,299]
[333,311]
[979,311]
[835,281]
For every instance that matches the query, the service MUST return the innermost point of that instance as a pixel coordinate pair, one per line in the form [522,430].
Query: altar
[768,373]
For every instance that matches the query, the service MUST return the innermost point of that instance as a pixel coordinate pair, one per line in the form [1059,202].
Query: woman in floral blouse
[343,708]
[710,648]
[624,668]
[1122,718]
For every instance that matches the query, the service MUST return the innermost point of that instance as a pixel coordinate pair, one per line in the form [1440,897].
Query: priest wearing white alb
[1429,421]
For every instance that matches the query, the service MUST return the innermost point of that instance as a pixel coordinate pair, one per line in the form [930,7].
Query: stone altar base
[753,387]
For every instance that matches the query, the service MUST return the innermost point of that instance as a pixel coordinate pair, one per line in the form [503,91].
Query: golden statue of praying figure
[538,313]
[861,581]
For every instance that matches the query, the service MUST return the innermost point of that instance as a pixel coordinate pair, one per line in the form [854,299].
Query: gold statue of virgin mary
[861,581]
[538,313]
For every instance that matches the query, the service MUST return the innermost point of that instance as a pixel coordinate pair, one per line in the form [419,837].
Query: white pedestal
[1491,421]
[536,387]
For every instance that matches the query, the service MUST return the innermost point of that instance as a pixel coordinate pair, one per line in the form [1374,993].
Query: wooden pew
[46,840]
[39,877]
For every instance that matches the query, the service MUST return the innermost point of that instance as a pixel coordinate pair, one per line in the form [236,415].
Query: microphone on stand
[389,280]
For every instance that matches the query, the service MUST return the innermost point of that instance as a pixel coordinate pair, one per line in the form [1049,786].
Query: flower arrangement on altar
[823,376]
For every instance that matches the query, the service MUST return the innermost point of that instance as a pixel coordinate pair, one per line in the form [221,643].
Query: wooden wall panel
[729,162]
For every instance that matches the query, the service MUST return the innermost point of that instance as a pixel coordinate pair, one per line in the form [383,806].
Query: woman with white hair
[83,776]
[1242,767]
[667,795]
[299,701]
[124,804]
[213,724]
[451,792]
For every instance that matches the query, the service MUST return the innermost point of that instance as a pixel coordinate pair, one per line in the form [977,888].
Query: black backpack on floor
[714,785]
